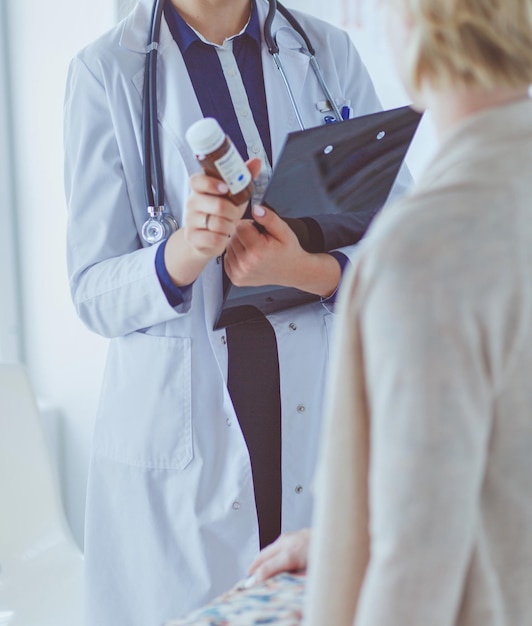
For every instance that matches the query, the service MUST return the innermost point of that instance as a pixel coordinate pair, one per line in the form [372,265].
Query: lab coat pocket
[144,417]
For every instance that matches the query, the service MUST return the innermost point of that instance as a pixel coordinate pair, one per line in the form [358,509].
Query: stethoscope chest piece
[159,226]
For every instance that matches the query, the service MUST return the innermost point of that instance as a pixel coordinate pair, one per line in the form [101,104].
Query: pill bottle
[219,158]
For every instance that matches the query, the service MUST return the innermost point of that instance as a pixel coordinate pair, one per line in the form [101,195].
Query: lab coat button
[299,489]
[300,408]
[256,149]
[228,422]
[292,326]
[244,113]
[236,505]
[232,72]
[223,340]
[219,259]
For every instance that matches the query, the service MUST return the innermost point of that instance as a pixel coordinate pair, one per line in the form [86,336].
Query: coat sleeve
[430,391]
[113,279]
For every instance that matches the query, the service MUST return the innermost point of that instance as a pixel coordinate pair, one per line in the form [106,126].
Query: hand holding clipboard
[328,184]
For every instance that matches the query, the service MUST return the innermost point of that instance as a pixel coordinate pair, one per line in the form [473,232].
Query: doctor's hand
[210,217]
[275,257]
[289,553]
[209,222]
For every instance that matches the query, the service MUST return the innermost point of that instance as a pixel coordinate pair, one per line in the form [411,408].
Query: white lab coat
[171,518]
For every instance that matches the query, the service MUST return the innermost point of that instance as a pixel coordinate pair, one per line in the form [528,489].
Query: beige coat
[424,511]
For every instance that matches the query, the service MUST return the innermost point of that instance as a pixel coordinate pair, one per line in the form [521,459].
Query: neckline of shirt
[185,35]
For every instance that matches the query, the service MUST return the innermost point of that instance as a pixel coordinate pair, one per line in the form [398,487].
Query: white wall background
[64,359]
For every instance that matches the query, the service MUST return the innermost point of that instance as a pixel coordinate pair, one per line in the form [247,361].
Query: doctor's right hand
[209,222]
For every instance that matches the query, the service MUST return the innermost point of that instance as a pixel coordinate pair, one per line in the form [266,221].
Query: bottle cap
[205,136]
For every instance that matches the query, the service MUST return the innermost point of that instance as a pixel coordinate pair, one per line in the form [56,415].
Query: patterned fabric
[278,600]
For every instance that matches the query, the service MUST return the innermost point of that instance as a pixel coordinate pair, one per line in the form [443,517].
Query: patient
[424,488]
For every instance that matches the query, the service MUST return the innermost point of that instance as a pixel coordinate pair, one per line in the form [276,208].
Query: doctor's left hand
[275,257]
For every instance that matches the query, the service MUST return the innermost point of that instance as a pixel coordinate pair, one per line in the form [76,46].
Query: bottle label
[233,170]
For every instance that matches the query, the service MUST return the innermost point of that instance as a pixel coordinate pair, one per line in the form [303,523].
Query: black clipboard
[328,184]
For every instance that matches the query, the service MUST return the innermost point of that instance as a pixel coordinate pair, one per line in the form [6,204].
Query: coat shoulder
[108,55]
[322,33]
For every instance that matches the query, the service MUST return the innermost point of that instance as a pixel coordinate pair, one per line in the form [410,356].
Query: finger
[279,563]
[218,224]
[218,206]
[230,259]
[247,234]
[201,183]
[274,225]
[288,553]
[203,220]
[233,266]
[236,245]
[266,554]
[206,242]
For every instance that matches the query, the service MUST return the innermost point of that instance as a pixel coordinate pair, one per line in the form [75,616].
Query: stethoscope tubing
[273,49]
[319,75]
[153,171]
[286,82]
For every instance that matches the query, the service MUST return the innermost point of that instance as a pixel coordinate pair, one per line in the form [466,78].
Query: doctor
[188,478]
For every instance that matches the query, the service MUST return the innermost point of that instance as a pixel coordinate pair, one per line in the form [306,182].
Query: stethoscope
[161,224]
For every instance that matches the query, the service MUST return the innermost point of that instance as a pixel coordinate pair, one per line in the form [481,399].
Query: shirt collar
[253,27]
[185,36]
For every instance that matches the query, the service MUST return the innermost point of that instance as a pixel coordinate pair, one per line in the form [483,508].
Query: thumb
[271,222]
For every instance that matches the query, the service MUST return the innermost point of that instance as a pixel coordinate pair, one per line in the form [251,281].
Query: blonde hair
[475,43]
